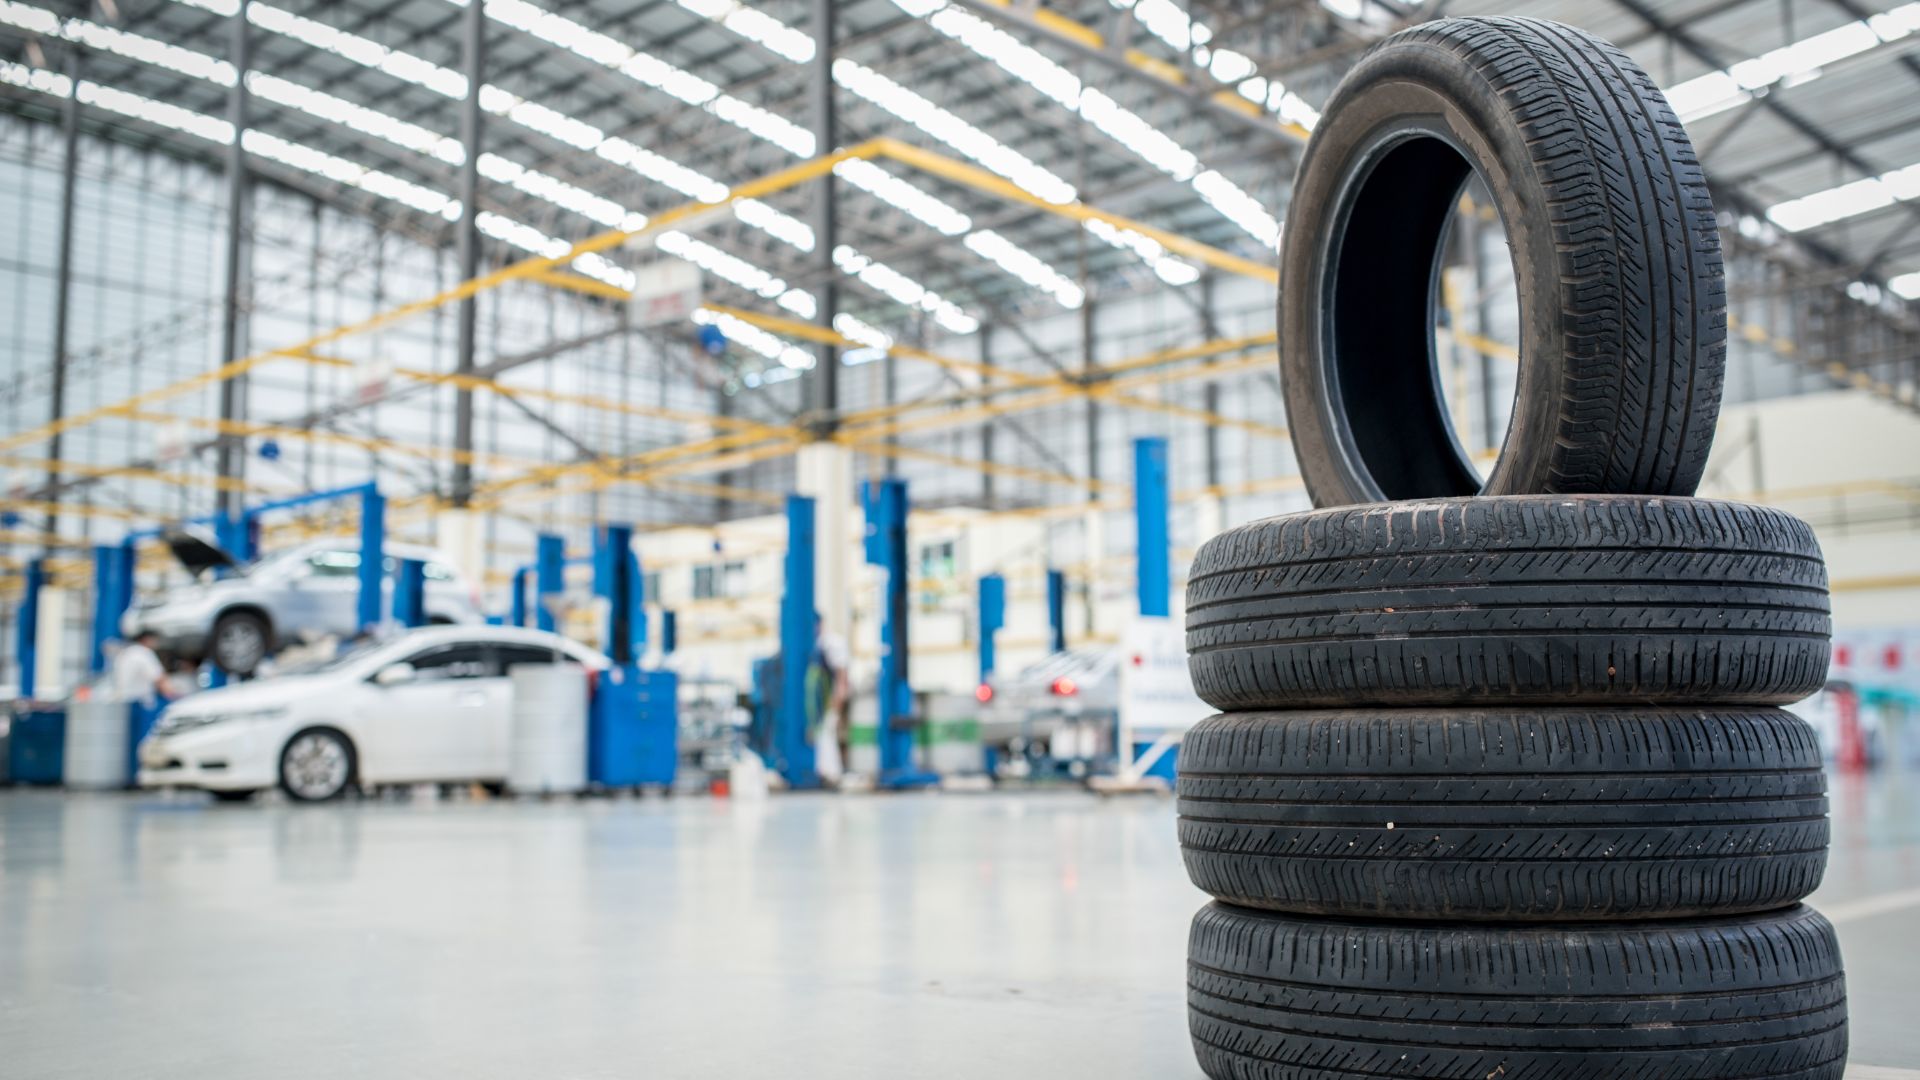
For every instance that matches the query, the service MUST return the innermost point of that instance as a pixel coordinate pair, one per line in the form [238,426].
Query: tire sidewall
[244,618]
[1397,93]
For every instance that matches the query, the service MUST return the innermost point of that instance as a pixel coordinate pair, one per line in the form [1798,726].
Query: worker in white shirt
[138,675]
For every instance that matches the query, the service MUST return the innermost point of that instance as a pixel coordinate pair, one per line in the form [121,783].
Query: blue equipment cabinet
[37,747]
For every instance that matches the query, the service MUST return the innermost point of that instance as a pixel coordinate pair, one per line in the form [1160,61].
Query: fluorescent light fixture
[1028,268]
[1800,61]
[1847,200]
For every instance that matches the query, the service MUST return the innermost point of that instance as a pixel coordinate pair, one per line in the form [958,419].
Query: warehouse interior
[872,368]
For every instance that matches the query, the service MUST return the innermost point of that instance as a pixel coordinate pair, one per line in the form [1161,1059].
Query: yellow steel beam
[997,468]
[129,472]
[580,283]
[975,177]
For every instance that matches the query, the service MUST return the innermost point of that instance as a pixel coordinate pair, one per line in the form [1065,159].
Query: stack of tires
[1501,787]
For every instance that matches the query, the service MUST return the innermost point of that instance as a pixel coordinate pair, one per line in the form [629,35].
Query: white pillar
[461,536]
[50,643]
[824,472]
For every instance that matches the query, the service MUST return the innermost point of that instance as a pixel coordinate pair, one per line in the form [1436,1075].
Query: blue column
[112,593]
[886,511]
[616,579]
[993,616]
[1056,611]
[549,576]
[410,592]
[669,631]
[27,625]
[792,753]
[1153,542]
[517,612]
[373,570]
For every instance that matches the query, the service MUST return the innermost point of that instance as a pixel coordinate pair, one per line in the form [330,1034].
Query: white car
[432,705]
[302,593]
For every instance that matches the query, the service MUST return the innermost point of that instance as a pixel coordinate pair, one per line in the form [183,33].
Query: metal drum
[547,747]
[96,745]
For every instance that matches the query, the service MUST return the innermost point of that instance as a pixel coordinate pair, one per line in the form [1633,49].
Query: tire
[1617,262]
[241,640]
[1583,599]
[301,775]
[1277,997]
[1509,814]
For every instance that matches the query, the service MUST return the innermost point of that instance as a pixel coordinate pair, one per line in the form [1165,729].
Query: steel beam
[231,455]
[826,136]
[63,284]
[473,33]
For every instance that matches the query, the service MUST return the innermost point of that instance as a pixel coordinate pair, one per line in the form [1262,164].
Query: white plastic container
[96,747]
[547,752]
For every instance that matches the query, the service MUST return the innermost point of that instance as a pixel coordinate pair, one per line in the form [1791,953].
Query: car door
[439,725]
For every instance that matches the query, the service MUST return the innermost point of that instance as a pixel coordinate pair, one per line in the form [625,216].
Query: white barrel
[96,751]
[547,751]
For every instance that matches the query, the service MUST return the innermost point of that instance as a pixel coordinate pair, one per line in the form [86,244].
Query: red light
[1065,687]
[983,693]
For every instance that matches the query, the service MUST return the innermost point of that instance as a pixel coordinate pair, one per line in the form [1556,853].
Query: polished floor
[925,936]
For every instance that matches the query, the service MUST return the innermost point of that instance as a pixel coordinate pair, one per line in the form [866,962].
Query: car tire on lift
[1622,298]
[239,627]
[1545,599]
[1505,814]
[1278,997]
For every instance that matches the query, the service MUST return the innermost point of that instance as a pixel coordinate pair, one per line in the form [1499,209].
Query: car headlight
[170,724]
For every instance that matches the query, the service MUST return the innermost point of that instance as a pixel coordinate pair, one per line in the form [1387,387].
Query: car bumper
[212,760]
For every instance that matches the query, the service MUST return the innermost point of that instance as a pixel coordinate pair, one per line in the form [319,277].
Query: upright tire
[1275,997]
[1505,814]
[1586,599]
[1616,256]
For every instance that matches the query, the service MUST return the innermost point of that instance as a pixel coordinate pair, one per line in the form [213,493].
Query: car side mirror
[395,674]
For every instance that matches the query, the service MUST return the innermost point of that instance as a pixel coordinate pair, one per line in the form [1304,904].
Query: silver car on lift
[239,614]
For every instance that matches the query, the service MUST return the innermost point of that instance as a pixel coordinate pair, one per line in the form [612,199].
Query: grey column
[63,285]
[986,429]
[231,458]
[473,37]
[826,233]
[1210,331]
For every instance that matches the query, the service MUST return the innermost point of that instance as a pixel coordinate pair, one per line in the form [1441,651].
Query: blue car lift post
[633,729]
[886,510]
[1153,544]
[782,738]
[1056,611]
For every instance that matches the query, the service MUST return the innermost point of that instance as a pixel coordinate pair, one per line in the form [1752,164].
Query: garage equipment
[885,502]
[36,745]
[633,728]
[548,749]
[98,748]
[410,593]
[1056,611]
[783,743]
[549,579]
[26,624]
[993,617]
[112,596]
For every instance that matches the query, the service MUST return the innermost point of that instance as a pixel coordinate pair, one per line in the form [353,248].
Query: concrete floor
[925,936]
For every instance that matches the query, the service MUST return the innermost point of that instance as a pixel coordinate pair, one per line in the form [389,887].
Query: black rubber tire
[241,621]
[1617,260]
[1282,997]
[1567,599]
[1507,814]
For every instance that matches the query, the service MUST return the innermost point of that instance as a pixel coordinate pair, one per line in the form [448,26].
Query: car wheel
[316,766]
[232,796]
[239,642]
